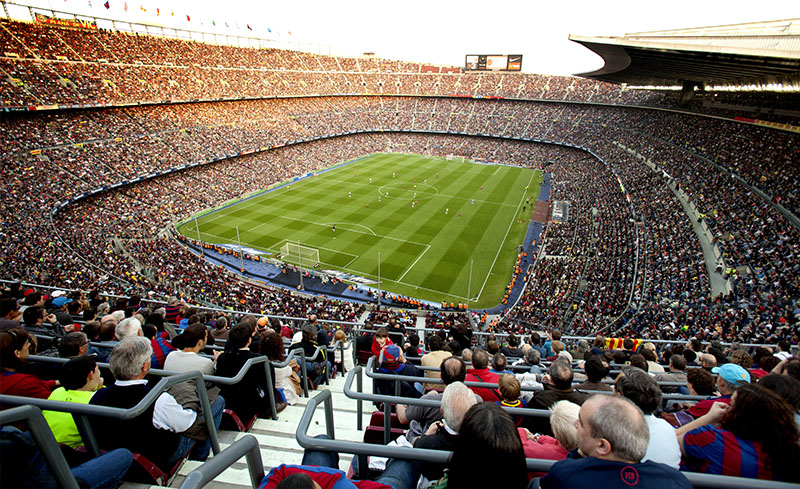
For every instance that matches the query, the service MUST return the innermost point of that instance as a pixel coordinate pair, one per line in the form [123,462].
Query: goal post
[302,254]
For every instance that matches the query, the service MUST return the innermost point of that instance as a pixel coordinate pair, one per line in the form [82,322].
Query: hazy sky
[442,32]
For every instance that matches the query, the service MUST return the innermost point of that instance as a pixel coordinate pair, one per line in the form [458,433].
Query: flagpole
[300,259]
[469,283]
[379,279]
[241,257]
[197,225]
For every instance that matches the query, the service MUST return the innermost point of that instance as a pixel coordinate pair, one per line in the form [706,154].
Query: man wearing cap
[59,309]
[729,377]
[392,361]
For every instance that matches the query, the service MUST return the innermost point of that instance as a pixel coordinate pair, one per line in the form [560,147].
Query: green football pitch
[429,218]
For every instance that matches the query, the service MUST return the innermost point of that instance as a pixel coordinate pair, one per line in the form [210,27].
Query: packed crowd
[134,336]
[53,65]
[623,259]
[612,411]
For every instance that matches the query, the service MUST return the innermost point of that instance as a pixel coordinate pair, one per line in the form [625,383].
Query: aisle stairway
[277,438]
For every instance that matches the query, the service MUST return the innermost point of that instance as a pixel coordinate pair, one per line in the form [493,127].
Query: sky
[437,31]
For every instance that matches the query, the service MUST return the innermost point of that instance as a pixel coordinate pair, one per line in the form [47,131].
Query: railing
[43,436]
[362,450]
[387,400]
[210,378]
[81,412]
[247,446]
[481,334]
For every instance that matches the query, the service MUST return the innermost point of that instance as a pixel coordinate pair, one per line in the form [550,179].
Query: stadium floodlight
[295,252]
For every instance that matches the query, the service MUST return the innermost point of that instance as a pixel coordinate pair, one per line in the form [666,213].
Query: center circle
[396,191]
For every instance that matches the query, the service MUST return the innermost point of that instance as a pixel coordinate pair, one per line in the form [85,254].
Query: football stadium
[229,258]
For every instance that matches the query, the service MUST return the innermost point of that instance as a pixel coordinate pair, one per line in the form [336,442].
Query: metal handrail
[362,450]
[311,359]
[371,373]
[45,440]
[564,337]
[341,346]
[216,379]
[388,400]
[247,447]
[289,358]
[81,411]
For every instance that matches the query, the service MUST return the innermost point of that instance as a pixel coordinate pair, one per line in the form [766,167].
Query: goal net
[301,254]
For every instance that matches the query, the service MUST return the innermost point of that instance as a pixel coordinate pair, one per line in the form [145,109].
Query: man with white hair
[128,328]
[156,432]
[443,435]
[613,438]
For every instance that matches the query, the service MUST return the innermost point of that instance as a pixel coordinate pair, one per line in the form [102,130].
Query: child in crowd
[380,340]
[510,391]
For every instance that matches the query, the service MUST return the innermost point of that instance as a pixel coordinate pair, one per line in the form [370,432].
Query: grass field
[425,250]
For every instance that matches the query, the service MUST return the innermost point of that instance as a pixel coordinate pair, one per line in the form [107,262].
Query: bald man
[613,438]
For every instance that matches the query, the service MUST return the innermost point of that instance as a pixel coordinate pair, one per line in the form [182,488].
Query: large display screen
[493,62]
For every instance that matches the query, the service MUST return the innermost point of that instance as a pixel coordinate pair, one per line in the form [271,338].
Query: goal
[301,254]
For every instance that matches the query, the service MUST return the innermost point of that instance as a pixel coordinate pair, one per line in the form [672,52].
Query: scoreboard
[493,62]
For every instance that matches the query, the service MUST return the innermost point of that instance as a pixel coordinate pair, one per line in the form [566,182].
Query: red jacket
[376,347]
[484,375]
[26,385]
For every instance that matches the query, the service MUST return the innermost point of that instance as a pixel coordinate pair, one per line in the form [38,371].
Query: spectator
[315,368]
[420,418]
[613,437]
[271,345]
[643,391]
[499,364]
[512,348]
[23,465]
[597,370]
[380,340]
[443,435]
[489,451]
[128,328]
[551,337]
[193,340]
[653,367]
[248,397]
[161,347]
[392,361]
[729,377]
[156,433]
[220,332]
[73,344]
[676,373]
[480,373]
[434,358]
[700,382]
[413,349]
[530,359]
[639,362]
[708,361]
[344,358]
[14,349]
[509,389]
[563,416]
[757,437]
[80,378]
[536,343]
[557,387]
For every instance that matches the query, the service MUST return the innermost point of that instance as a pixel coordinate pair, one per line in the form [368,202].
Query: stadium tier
[120,151]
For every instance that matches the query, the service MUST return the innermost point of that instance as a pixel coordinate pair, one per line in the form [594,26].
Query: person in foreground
[613,438]
[755,436]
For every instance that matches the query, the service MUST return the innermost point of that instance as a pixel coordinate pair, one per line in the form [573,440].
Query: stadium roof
[759,52]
